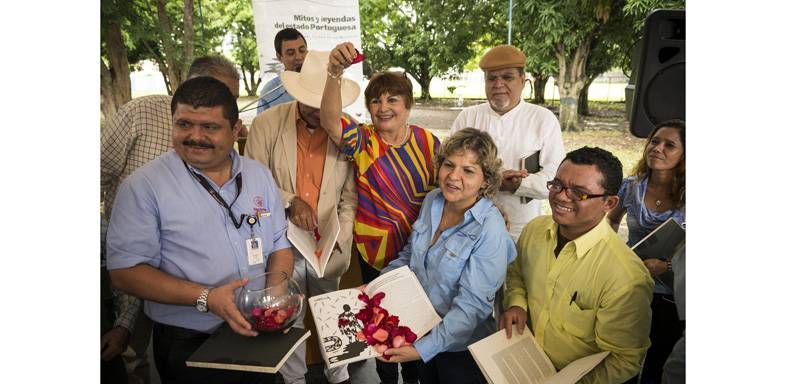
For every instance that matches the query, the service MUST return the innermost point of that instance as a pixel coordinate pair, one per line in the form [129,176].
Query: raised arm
[330,110]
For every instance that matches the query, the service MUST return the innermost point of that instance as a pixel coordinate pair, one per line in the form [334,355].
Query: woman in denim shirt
[654,193]
[459,249]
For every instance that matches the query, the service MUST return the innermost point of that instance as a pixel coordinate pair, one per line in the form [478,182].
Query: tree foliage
[428,38]
[586,37]
[238,17]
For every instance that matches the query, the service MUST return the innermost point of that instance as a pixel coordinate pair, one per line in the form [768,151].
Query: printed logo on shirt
[258,207]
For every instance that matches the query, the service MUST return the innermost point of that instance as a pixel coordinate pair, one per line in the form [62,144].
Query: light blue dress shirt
[163,217]
[460,273]
[272,94]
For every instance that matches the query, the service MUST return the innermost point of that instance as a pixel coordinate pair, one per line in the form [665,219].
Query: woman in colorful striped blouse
[394,171]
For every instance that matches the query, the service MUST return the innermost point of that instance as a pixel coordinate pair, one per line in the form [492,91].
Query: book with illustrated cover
[337,326]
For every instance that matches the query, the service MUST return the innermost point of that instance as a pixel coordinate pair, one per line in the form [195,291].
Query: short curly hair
[607,164]
[486,151]
[392,83]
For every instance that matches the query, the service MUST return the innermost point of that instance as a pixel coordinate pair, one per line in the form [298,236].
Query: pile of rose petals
[270,319]
[380,329]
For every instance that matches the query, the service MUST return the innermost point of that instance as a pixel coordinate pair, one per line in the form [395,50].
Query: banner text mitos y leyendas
[324,23]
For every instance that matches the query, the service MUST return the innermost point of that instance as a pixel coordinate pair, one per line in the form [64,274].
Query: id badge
[254,251]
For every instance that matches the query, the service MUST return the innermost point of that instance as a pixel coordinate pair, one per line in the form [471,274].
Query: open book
[520,360]
[316,252]
[404,297]
[662,243]
[266,353]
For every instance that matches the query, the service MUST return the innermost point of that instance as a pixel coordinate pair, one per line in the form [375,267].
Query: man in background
[526,135]
[290,49]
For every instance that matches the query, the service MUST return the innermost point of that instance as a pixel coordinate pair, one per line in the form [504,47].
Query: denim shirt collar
[477,212]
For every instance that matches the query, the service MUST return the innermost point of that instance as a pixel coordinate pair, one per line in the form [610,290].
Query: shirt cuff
[426,349]
[515,300]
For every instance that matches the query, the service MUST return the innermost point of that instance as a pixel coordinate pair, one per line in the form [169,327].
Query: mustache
[195,143]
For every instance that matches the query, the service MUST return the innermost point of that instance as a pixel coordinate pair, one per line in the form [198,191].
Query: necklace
[401,140]
[657,203]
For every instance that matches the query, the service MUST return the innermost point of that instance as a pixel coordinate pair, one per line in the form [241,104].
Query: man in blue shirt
[290,49]
[181,230]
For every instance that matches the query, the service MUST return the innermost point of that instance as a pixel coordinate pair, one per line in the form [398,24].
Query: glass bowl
[271,302]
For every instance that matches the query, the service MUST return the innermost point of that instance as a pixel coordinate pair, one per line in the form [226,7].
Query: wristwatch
[202,305]
[669,266]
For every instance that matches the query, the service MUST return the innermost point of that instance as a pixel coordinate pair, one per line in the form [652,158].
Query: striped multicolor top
[392,182]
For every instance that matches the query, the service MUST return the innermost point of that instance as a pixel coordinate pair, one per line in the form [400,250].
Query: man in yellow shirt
[584,289]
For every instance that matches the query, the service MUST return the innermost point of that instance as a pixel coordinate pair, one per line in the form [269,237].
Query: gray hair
[213,66]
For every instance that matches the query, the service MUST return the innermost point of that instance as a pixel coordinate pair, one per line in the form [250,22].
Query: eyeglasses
[571,192]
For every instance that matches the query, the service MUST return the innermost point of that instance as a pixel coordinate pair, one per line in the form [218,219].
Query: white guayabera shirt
[520,133]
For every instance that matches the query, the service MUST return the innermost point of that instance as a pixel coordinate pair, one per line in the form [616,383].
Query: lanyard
[238,179]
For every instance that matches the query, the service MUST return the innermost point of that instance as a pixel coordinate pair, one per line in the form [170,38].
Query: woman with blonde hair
[459,249]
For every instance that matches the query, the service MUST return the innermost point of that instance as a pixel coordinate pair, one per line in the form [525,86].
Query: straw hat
[307,85]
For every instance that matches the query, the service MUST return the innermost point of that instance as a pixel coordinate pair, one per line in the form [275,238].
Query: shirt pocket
[456,252]
[578,322]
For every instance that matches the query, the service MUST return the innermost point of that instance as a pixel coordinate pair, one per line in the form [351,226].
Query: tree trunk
[189,37]
[424,80]
[254,84]
[571,80]
[583,106]
[171,55]
[540,81]
[116,87]
[108,101]
[245,80]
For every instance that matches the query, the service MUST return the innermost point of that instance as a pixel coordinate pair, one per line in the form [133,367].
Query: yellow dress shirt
[594,297]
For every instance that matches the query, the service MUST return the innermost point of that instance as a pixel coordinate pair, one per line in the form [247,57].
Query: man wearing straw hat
[315,181]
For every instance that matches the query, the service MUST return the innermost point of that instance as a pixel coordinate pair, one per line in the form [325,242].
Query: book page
[306,244]
[518,360]
[336,326]
[575,370]
[406,298]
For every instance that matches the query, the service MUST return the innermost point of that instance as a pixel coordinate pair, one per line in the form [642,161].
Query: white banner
[324,23]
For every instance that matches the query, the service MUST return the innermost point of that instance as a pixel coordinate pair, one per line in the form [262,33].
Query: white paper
[520,360]
[306,243]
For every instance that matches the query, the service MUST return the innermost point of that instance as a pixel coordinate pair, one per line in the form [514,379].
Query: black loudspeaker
[660,86]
